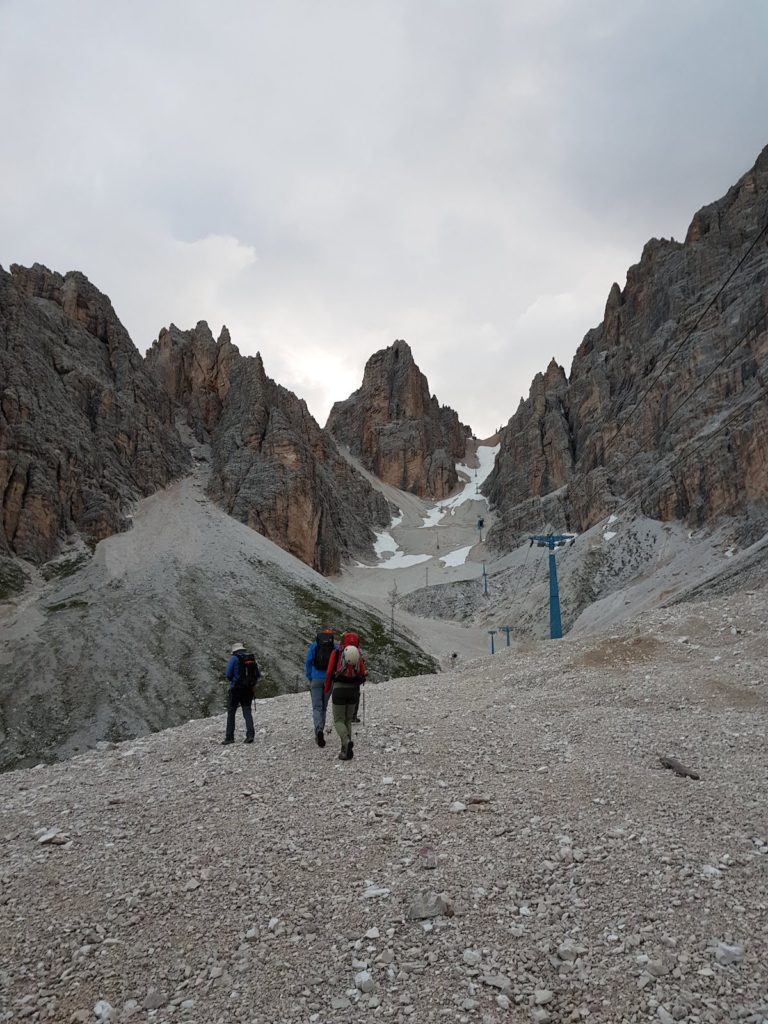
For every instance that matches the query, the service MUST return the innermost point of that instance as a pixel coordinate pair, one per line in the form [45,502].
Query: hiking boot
[248,739]
[320,737]
[350,751]
[356,719]
[343,755]
[225,742]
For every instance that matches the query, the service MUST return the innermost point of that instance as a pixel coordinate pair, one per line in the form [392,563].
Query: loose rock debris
[589,893]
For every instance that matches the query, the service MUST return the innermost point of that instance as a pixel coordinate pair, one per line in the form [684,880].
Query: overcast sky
[325,176]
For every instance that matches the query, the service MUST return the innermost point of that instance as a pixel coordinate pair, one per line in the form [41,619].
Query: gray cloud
[327,177]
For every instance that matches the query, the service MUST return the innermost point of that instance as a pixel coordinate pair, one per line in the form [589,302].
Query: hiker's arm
[332,662]
[308,661]
[230,673]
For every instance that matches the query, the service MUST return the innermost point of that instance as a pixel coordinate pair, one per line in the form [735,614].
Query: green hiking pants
[342,720]
[344,699]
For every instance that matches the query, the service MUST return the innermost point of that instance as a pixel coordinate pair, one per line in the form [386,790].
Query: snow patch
[457,557]
[486,457]
[609,535]
[385,543]
[400,561]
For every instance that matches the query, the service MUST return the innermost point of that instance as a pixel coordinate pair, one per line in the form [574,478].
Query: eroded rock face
[84,430]
[272,467]
[400,433]
[589,441]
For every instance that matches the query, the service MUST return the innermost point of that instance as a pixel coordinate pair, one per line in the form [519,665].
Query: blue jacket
[312,674]
[233,671]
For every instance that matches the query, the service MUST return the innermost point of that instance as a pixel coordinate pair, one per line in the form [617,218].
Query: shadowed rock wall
[84,430]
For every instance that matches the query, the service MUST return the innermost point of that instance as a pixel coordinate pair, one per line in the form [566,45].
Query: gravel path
[504,846]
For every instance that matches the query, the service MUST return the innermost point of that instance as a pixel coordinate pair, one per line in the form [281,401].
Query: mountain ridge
[567,459]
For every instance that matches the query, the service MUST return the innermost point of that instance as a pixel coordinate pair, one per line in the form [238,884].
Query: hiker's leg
[340,721]
[326,698]
[356,708]
[248,716]
[319,703]
[232,703]
[351,709]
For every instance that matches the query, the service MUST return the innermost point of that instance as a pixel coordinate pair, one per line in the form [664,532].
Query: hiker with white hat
[242,674]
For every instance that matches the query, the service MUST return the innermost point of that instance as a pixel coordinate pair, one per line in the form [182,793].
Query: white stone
[568,950]
[53,836]
[726,955]
[375,890]
[364,981]
[372,933]
[542,996]
[471,957]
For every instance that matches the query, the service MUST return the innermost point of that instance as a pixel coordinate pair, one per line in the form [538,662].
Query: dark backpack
[323,650]
[248,671]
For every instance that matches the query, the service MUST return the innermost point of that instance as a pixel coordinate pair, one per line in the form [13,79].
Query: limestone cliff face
[399,432]
[84,430]
[678,464]
[272,467]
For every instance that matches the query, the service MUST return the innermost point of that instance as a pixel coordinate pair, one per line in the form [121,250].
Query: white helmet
[351,656]
[237,647]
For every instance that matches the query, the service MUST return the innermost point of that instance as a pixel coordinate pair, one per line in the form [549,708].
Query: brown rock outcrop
[272,467]
[84,430]
[399,432]
[600,433]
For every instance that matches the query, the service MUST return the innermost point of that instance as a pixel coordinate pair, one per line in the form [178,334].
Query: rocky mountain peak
[272,467]
[79,301]
[397,429]
[554,376]
[84,431]
[600,433]
[194,370]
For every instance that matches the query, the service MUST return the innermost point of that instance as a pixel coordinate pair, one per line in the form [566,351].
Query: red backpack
[351,664]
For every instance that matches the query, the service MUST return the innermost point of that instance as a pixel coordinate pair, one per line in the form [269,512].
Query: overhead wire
[751,331]
[520,574]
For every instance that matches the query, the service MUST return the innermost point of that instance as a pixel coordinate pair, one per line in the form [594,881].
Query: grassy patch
[64,567]
[13,579]
[385,655]
[65,606]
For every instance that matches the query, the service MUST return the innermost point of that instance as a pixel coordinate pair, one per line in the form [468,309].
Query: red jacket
[333,664]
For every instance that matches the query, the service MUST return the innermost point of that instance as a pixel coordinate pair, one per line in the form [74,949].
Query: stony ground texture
[504,847]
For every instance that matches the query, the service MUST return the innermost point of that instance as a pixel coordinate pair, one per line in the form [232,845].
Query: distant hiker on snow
[243,674]
[315,670]
[346,674]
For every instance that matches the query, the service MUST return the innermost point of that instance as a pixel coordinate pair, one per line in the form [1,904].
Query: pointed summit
[400,432]
[272,467]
